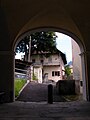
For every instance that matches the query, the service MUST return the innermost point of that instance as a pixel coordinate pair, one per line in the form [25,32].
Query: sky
[18,55]
[63,44]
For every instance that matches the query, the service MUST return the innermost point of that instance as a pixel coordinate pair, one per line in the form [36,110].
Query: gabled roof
[63,56]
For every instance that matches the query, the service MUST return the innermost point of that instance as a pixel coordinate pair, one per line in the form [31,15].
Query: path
[35,92]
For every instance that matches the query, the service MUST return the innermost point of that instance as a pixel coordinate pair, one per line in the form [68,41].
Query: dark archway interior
[19,18]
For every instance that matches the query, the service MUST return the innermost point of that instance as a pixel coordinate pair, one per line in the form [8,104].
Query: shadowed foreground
[43,111]
[32,105]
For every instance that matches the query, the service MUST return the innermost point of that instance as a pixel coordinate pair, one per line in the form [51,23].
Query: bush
[35,77]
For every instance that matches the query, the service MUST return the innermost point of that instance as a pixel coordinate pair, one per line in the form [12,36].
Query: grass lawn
[19,83]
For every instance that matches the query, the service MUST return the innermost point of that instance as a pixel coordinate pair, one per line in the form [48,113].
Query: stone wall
[68,87]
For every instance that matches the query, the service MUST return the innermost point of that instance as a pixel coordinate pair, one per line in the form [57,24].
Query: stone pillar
[84,80]
[6,60]
[50,94]
[7,75]
[87,68]
[85,59]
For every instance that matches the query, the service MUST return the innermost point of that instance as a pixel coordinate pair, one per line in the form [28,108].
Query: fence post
[50,93]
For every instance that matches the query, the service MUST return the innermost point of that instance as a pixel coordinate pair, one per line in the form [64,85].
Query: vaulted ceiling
[70,15]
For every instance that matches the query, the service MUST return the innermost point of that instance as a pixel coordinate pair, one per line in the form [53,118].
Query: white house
[48,68]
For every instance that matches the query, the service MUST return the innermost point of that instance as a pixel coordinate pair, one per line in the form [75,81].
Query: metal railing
[20,73]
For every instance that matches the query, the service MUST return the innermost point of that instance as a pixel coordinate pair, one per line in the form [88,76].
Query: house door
[45,77]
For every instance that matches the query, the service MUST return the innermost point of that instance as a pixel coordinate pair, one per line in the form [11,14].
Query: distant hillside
[70,63]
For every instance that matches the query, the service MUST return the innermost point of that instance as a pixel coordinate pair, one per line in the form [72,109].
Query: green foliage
[34,77]
[19,83]
[40,42]
[67,70]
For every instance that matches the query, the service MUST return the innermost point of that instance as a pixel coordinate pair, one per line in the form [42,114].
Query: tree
[67,71]
[23,46]
[40,42]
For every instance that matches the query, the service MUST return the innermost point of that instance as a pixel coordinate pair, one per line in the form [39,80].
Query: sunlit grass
[19,83]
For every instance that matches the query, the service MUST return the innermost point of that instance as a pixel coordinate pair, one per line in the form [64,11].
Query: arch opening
[75,38]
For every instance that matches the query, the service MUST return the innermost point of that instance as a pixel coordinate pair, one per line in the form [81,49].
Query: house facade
[48,68]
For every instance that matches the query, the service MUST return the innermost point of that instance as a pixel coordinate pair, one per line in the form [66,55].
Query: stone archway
[75,38]
[21,17]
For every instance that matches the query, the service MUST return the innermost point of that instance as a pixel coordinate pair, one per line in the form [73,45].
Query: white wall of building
[50,69]
[38,74]
[54,63]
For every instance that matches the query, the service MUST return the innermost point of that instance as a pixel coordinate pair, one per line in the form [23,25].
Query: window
[81,83]
[55,73]
[42,61]
[58,73]
[33,60]
[55,58]
[52,73]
